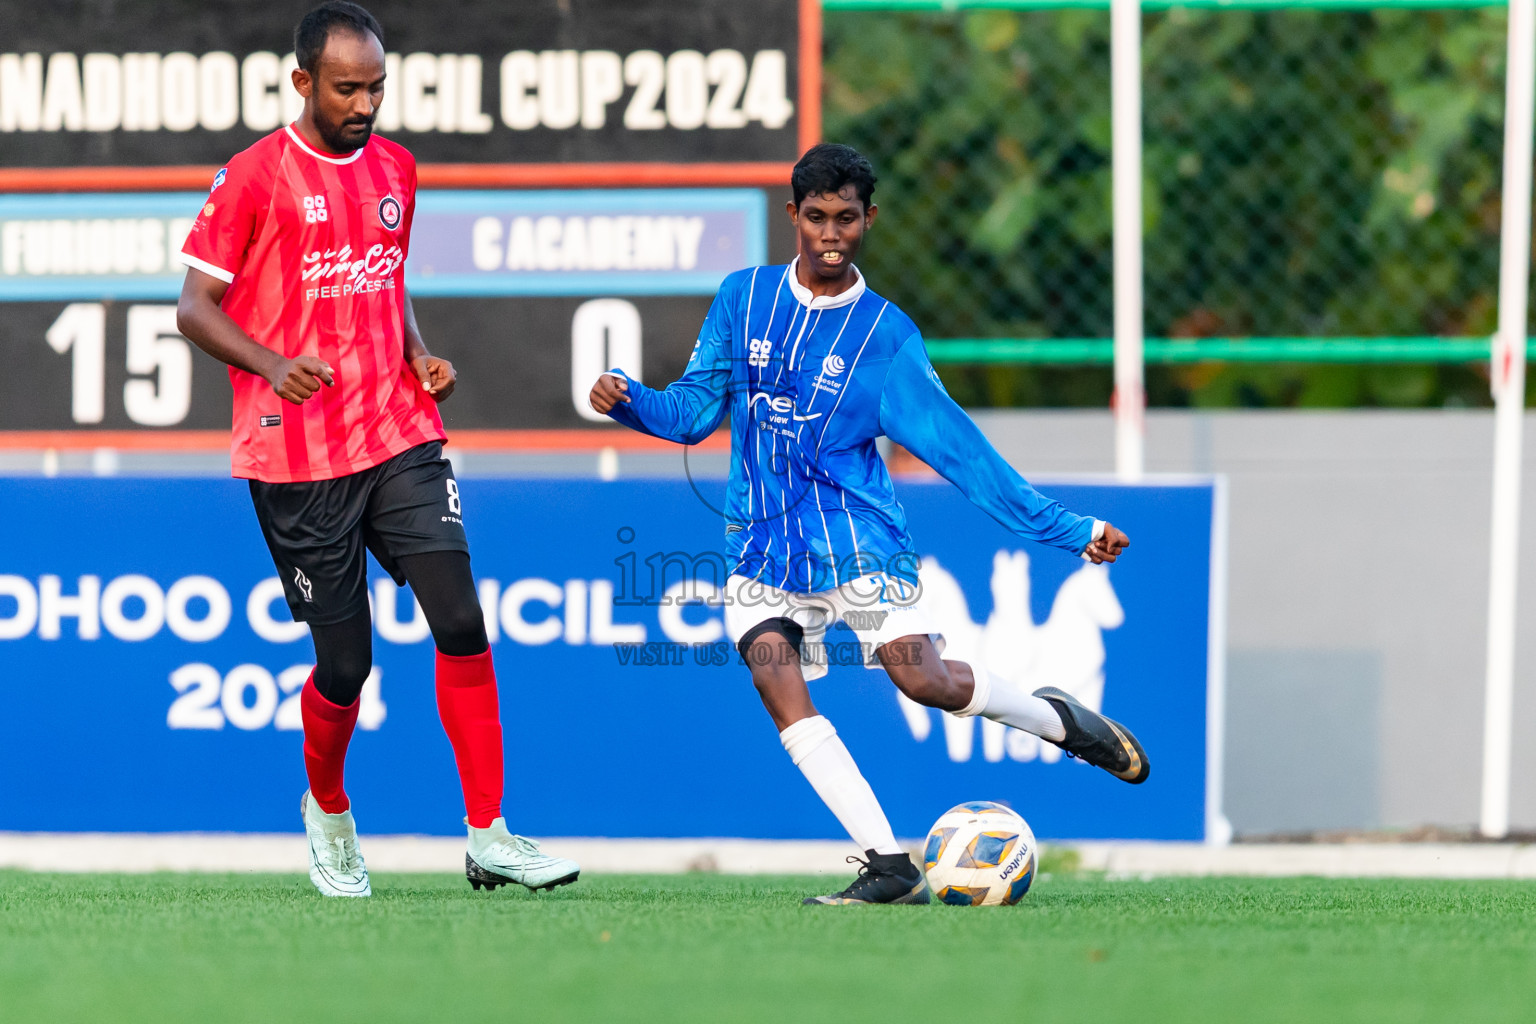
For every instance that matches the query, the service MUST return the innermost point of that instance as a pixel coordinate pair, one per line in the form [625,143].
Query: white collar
[803,294]
[299,141]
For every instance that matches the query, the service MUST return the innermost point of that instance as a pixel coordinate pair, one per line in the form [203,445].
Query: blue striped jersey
[810,383]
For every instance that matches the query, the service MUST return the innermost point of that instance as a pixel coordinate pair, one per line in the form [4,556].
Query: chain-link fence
[1308,173]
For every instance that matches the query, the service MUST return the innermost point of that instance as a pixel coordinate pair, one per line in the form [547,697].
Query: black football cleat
[883,878]
[1100,741]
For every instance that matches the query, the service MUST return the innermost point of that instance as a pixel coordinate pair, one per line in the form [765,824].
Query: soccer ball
[980,854]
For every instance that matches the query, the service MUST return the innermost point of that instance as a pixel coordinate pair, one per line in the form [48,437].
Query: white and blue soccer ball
[980,854]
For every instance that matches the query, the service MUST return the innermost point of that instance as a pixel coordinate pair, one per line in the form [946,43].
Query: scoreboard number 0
[604,333]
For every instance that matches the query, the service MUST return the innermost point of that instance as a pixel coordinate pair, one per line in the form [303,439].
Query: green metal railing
[1081,351]
[1171,351]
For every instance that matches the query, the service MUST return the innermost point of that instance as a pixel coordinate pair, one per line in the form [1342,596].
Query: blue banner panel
[94,246]
[594,242]
[150,673]
[624,242]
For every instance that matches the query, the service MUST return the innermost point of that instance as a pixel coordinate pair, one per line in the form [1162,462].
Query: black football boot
[1100,741]
[883,878]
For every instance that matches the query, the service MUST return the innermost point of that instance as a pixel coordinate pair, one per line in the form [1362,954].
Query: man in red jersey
[296,279]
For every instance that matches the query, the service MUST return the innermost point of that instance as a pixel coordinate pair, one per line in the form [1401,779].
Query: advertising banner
[150,672]
[562,83]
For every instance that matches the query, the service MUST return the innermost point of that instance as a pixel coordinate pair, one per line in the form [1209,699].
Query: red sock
[327,730]
[466,702]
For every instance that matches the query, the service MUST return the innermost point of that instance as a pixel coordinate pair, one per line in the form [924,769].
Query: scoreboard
[590,171]
[531,294]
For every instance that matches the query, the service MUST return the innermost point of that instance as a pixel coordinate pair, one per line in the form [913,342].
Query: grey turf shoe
[1100,741]
[883,878]
[497,857]
[335,863]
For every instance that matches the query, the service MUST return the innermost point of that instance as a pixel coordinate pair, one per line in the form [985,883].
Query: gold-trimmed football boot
[1100,741]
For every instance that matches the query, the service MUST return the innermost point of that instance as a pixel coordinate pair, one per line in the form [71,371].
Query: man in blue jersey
[813,367]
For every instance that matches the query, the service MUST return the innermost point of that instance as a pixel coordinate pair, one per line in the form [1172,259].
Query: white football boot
[497,857]
[335,863]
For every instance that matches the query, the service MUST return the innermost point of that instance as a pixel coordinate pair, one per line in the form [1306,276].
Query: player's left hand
[436,375]
[1108,547]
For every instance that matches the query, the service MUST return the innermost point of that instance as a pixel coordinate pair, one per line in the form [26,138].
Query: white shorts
[877,608]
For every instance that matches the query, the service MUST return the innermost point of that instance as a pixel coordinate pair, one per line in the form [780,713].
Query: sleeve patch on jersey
[218,179]
[933,375]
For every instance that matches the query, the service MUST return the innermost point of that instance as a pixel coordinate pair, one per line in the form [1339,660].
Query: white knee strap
[804,736]
[980,693]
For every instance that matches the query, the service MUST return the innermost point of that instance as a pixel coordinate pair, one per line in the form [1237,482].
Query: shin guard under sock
[327,731]
[819,753]
[466,702]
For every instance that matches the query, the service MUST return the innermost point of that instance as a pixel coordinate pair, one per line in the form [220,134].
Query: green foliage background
[1308,173]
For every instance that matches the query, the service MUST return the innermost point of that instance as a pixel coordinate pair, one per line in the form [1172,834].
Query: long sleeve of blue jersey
[918,414]
[692,407]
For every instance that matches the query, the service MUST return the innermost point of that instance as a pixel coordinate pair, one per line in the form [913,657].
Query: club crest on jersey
[218,179]
[389,212]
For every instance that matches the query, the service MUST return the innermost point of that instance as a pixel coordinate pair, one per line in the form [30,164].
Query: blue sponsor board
[149,673]
[621,241]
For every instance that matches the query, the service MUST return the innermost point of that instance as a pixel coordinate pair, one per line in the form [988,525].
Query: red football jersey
[314,249]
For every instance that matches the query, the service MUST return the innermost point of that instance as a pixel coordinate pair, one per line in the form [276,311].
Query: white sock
[1001,701]
[813,745]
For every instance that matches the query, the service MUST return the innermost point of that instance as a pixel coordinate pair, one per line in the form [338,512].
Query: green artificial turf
[721,948]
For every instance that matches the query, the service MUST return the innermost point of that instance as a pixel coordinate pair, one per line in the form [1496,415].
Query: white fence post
[1125,89]
[1508,378]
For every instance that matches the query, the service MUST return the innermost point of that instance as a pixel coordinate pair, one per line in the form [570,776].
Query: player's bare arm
[201,319]
[608,392]
[1108,547]
[437,376]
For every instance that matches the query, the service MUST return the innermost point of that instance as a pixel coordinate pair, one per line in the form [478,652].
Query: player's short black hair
[830,166]
[310,36]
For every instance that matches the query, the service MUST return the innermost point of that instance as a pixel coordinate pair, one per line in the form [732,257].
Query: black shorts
[316,531]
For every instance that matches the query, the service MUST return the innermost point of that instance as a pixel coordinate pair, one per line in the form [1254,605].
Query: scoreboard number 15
[160,392]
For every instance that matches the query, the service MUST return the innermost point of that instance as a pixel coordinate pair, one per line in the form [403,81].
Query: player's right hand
[294,380]
[1108,547]
[609,391]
